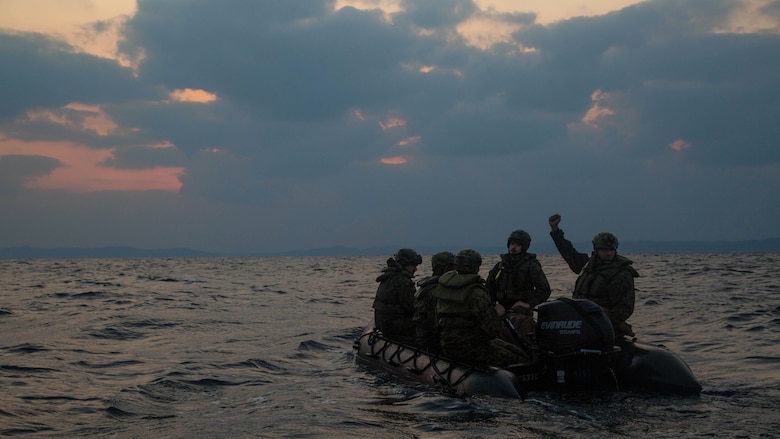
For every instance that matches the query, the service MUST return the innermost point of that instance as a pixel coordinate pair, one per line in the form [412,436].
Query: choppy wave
[262,347]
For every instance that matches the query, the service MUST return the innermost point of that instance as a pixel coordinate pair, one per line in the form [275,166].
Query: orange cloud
[425,69]
[190,95]
[388,7]
[109,179]
[397,160]
[753,17]
[596,111]
[359,114]
[79,117]
[679,145]
[409,141]
[392,122]
[72,22]
[82,169]
[548,12]
[162,145]
[484,32]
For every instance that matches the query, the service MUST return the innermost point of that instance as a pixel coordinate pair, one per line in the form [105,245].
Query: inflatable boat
[574,350]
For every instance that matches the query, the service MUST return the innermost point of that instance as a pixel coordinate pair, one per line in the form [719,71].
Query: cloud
[16,170]
[299,61]
[292,124]
[47,73]
[190,95]
[75,168]
[680,145]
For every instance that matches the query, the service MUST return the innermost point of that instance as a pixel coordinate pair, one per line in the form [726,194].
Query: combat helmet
[605,240]
[521,237]
[407,256]
[441,261]
[468,261]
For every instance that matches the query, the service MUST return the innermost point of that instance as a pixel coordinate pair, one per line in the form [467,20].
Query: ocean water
[262,347]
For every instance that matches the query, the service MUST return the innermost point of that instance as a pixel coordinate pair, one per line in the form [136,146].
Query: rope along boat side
[575,351]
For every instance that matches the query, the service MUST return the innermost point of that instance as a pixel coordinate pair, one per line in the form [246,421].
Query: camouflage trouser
[507,353]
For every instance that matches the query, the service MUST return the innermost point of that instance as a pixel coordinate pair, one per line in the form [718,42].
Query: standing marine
[605,277]
[394,302]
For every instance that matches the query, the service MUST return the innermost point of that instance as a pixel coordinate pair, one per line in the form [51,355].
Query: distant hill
[545,247]
[102,252]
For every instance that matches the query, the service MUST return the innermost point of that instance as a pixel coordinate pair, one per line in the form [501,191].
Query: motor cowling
[567,326]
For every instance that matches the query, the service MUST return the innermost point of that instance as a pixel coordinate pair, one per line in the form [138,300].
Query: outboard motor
[567,326]
[577,339]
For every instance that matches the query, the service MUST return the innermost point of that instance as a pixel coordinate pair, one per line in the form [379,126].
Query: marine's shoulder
[626,265]
[429,280]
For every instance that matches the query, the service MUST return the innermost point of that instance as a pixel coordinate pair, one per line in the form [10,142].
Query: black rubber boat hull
[412,365]
[636,366]
[654,369]
[575,351]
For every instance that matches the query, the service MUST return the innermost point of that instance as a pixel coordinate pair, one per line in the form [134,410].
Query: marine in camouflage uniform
[609,283]
[470,330]
[394,302]
[518,283]
[425,304]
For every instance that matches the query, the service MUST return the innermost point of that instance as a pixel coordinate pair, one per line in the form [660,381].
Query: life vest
[452,311]
[594,279]
[512,281]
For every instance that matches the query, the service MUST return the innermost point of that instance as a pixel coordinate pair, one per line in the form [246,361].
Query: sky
[239,126]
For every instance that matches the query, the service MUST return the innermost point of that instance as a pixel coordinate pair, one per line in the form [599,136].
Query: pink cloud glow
[680,145]
[190,95]
[392,122]
[88,118]
[82,169]
[359,114]
[409,141]
[597,111]
[397,160]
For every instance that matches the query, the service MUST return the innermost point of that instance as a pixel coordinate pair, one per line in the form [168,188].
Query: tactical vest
[461,333]
[511,283]
[593,283]
[452,312]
